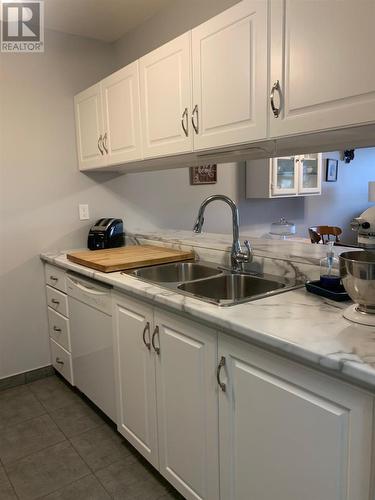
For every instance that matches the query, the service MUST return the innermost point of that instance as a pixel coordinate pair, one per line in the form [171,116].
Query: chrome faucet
[238,257]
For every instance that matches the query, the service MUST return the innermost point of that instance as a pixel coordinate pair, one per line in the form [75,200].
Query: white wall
[178,17]
[165,199]
[40,184]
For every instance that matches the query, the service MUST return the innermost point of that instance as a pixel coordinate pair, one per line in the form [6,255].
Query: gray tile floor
[55,446]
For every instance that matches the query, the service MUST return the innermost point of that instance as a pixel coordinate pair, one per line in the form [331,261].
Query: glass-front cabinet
[310,174]
[283,177]
[284,173]
[296,175]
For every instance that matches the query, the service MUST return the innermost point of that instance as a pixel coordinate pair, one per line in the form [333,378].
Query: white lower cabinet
[187,405]
[58,321]
[288,432]
[167,395]
[135,374]
[222,419]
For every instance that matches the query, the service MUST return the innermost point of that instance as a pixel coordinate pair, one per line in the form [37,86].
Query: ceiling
[106,20]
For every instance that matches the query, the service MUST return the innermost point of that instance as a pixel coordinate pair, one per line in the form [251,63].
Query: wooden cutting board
[120,259]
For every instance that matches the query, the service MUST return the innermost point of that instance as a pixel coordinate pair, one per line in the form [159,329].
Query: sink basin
[178,272]
[232,288]
[205,281]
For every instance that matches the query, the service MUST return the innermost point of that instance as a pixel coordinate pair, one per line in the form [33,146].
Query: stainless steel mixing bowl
[357,271]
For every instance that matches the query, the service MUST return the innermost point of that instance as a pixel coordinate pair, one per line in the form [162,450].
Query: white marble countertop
[304,326]
[291,249]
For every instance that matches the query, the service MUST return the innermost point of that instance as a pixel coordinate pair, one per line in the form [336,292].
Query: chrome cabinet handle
[104,143]
[222,386]
[185,122]
[100,141]
[147,329]
[59,362]
[195,125]
[53,278]
[156,332]
[56,329]
[275,110]
[54,301]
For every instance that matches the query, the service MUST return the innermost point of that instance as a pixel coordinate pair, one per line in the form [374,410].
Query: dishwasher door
[91,340]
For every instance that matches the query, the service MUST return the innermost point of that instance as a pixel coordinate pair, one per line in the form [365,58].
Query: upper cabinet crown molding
[258,80]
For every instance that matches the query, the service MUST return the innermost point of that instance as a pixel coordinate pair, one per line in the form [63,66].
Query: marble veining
[307,327]
[296,250]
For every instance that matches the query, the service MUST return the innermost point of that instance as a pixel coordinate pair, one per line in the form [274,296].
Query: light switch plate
[83,212]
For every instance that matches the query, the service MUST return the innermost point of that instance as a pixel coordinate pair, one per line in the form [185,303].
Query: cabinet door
[122,115]
[284,176]
[229,54]
[165,82]
[310,174]
[326,79]
[288,432]
[135,376]
[187,406]
[89,128]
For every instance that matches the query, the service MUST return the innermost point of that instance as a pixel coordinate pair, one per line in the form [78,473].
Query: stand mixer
[357,268]
[364,225]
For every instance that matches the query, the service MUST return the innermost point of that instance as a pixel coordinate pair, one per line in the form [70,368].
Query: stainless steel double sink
[208,282]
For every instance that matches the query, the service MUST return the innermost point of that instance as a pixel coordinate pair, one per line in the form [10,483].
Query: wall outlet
[83,212]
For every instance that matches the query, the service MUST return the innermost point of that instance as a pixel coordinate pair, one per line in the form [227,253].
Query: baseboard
[26,377]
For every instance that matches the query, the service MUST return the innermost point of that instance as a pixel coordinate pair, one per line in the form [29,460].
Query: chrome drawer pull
[54,301]
[222,386]
[100,142]
[185,122]
[156,348]
[104,143]
[147,329]
[195,113]
[59,362]
[275,110]
[53,278]
[56,329]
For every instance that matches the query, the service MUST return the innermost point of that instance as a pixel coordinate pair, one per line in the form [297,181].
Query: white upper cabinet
[165,82]
[229,54]
[265,72]
[89,128]
[289,433]
[286,176]
[321,55]
[310,174]
[122,116]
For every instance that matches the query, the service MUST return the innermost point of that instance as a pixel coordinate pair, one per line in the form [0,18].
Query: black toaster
[106,233]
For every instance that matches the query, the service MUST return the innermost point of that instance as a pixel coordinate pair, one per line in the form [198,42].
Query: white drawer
[62,361]
[59,328]
[57,300]
[55,277]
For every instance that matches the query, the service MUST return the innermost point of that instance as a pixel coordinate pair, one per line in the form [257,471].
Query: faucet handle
[249,253]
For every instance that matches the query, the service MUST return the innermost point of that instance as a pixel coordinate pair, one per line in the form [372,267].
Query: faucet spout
[238,257]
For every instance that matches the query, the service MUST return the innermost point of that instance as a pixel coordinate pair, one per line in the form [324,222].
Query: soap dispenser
[330,269]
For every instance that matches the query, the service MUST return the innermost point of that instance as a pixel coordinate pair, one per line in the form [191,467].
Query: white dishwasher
[90,312]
